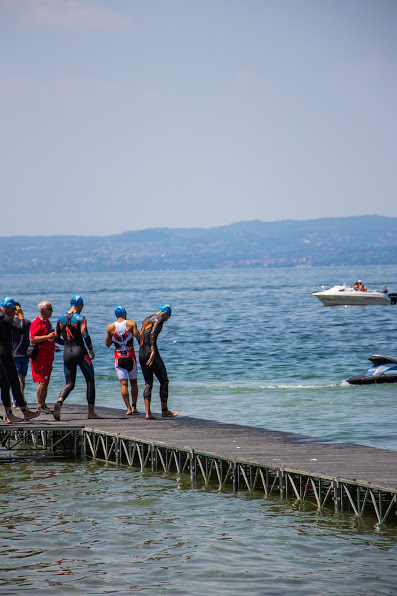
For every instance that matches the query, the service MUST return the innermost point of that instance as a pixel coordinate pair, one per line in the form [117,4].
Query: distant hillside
[329,241]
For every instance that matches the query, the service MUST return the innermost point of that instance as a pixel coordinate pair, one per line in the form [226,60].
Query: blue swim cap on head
[120,311]
[8,302]
[76,301]
[166,309]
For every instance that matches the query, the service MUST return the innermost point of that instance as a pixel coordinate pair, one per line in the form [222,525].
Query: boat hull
[346,296]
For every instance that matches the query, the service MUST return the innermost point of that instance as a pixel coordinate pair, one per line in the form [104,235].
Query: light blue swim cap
[76,301]
[8,302]
[166,309]
[120,311]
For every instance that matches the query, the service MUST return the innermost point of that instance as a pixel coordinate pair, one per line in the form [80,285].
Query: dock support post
[193,471]
[235,477]
[84,440]
[281,483]
[337,496]
[117,450]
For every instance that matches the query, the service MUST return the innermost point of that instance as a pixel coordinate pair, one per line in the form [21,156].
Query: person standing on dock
[20,343]
[42,334]
[121,333]
[152,363]
[9,373]
[71,332]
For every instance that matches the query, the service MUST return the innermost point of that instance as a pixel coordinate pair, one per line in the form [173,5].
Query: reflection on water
[81,527]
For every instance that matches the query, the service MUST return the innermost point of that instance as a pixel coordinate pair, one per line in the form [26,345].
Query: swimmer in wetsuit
[121,333]
[71,332]
[11,320]
[152,363]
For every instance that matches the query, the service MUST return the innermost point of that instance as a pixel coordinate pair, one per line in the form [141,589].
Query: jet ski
[383,370]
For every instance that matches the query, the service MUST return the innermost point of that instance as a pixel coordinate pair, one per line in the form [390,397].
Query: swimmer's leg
[161,373]
[134,395]
[147,396]
[69,369]
[88,371]
[125,395]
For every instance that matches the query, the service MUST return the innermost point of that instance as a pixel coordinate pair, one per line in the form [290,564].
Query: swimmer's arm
[87,338]
[58,336]
[152,355]
[109,334]
[157,326]
[85,335]
[88,343]
[131,325]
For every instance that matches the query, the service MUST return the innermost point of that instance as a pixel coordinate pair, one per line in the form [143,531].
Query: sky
[122,115]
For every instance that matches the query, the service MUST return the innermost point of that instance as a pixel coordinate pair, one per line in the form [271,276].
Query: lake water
[252,347]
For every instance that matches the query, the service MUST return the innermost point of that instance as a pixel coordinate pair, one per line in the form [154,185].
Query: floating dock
[343,476]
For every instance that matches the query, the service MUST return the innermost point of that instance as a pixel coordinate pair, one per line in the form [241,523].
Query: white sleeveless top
[123,341]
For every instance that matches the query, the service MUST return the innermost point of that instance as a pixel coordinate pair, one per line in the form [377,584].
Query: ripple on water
[149,532]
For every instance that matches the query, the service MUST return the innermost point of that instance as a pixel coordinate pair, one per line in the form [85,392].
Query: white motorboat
[346,295]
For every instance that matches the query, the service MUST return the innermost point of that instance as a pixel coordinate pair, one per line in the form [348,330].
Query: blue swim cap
[166,309]
[120,311]
[8,302]
[76,301]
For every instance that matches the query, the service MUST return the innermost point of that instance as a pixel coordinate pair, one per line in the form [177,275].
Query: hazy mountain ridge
[289,243]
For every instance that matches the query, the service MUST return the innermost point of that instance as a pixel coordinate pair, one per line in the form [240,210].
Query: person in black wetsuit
[72,333]
[20,343]
[5,389]
[8,373]
[152,363]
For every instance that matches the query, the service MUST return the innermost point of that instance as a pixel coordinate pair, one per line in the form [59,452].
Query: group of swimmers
[71,332]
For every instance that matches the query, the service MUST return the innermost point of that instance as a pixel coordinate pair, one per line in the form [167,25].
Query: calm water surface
[251,347]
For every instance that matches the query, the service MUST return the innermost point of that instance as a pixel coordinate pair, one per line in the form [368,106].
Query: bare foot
[134,411]
[151,417]
[129,413]
[168,414]
[93,415]
[28,415]
[57,410]
[11,418]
